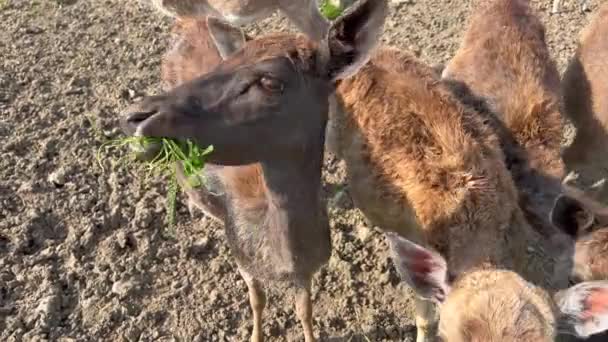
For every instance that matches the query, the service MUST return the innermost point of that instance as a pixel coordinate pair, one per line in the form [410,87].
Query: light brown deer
[584,87]
[266,104]
[303,13]
[504,60]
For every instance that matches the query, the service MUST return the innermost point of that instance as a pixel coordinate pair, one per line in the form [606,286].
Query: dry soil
[84,252]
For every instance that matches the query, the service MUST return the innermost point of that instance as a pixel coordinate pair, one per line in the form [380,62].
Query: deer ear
[584,309]
[227,38]
[353,36]
[305,15]
[422,269]
[570,216]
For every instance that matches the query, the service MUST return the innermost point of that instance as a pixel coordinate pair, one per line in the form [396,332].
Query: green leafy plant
[170,152]
[329,10]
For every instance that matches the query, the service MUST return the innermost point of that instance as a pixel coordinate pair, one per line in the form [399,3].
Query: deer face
[246,110]
[269,97]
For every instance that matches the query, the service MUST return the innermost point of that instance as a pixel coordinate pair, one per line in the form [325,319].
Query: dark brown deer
[303,13]
[266,104]
[584,87]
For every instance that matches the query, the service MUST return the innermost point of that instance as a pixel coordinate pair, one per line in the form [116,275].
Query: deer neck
[293,189]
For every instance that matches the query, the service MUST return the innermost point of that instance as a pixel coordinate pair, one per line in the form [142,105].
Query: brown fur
[512,71]
[591,256]
[503,299]
[585,85]
[426,154]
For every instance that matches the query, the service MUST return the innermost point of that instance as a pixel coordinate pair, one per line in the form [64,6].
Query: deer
[584,84]
[584,6]
[504,61]
[304,14]
[264,108]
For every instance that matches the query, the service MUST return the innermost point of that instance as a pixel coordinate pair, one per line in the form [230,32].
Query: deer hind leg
[304,310]
[426,322]
[257,300]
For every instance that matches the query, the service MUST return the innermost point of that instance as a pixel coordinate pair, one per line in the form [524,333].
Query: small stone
[213,296]
[364,234]
[124,287]
[123,239]
[47,307]
[200,246]
[385,278]
[57,178]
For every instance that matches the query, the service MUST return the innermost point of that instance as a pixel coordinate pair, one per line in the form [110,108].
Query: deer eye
[271,84]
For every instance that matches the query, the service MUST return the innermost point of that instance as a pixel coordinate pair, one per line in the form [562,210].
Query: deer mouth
[132,124]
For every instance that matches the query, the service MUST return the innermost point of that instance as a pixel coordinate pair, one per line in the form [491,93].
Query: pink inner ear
[419,261]
[596,304]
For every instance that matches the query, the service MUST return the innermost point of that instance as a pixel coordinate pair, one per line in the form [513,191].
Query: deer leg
[425,320]
[304,311]
[257,300]
[556,6]
[584,5]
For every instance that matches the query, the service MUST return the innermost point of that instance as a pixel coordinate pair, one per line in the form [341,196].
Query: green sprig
[329,10]
[171,152]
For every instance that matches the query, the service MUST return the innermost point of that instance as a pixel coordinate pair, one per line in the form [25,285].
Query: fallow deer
[303,13]
[266,104]
[504,61]
[584,88]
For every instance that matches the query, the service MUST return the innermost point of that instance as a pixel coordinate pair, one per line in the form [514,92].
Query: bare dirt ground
[84,255]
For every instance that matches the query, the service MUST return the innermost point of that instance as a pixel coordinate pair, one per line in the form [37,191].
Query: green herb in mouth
[171,151]
[329,10]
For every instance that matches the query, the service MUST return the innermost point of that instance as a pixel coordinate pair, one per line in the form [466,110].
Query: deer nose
[137,114]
